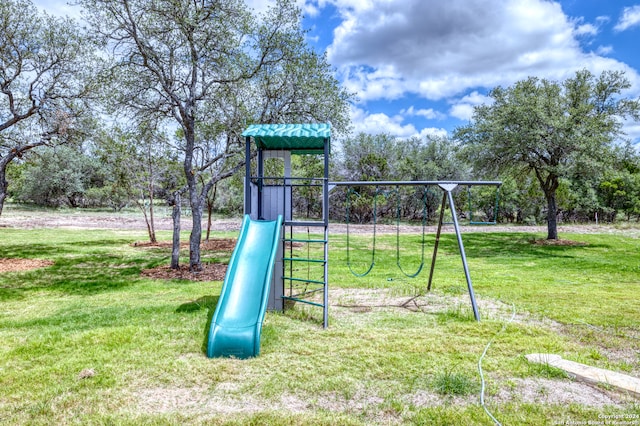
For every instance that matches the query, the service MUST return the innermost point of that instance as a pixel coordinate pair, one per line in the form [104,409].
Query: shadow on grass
[501,244]
[477,245]
[72,273]
[205,302]
[56,249]
[78,318]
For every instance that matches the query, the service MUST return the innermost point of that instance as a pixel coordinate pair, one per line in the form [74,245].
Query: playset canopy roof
[297,138]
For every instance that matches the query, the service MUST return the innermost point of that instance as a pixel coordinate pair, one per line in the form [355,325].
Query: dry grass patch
[18,265]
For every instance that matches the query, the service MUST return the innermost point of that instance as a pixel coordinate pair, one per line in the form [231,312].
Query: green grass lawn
[89,341]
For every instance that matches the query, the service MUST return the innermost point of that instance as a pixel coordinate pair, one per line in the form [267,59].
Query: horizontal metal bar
[305,223]
[308,302]
[302,259]
[296,240]
[305,293]
[321,179]
[292,185]
[303,280]
[416,182]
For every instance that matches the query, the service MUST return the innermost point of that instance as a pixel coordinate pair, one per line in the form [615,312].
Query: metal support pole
[260,181]
[247,176]
[325,216]
[452,207]
[435,246]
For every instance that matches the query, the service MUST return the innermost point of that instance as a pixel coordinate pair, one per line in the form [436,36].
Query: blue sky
[419,67]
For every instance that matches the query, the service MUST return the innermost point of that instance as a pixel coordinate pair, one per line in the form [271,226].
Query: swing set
[447,189]
[396,192]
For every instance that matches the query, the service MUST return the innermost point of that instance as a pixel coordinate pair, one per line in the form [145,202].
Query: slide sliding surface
[237,321]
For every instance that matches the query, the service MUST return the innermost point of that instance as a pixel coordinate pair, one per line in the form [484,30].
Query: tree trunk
[3,185]
[196,200]
[151,224]
[552,216]
[549,184]
[148,220]
[4,162]
[196,233]
[175,215]
[210,203]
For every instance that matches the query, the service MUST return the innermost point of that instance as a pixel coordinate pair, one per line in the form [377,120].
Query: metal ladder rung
[295,240]
[308,302]
[302,259]
[302,224]
[303,280]
[305,293]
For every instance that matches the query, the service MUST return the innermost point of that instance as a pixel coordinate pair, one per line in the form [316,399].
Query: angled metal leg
[435,246]
[452,207]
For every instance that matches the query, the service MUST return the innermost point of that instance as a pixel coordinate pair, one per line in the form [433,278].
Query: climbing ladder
[307,253]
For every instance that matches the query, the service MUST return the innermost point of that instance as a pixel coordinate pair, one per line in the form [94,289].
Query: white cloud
[604,50]
[386,49]
[378,123]
[463,108]
[381,83]
[462,111]
[630,18]
[586,29]
[632,130]
[429,113]
[432,131]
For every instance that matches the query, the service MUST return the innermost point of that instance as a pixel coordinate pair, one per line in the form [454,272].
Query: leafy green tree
[197,64]
[550,129]
[60,176]
[619,191]
[307,200]
[44,67]
[363,158]
[632,205]
[430,158]
[383,157]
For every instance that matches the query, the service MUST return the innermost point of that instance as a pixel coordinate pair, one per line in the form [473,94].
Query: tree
[619,191]
[550,129]
[42,77]
[142,166]
[197,64]
[383,157]
[59,176]
[431,158]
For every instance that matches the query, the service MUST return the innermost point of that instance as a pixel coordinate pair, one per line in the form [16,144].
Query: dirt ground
[12,218]
[89,220]
[210,272]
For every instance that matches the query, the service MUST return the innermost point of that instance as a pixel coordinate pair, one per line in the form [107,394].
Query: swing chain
[495,208]
[424,226]
[375,220]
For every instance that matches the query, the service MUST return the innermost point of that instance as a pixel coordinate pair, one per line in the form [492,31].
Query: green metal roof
[297,138]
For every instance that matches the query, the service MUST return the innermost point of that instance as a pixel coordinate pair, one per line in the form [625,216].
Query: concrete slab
[622,382]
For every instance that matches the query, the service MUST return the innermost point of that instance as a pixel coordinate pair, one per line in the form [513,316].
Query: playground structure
[268,199]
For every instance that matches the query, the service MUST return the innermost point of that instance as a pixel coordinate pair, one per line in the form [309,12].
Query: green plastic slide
[237,321]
